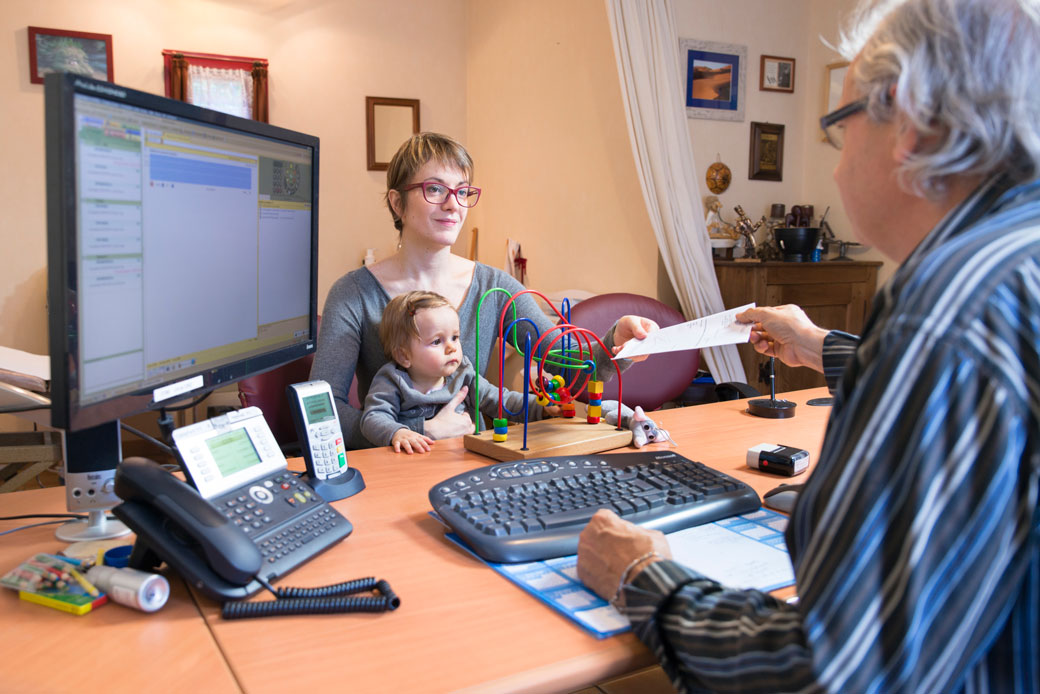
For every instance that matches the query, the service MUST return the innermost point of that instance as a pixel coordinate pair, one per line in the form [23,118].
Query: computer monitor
[182,256]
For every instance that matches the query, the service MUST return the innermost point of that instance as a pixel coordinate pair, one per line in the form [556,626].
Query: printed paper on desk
[710,331]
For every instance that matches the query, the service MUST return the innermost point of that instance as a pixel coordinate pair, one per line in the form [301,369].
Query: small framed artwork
[80,52]
[834,84]
[715,76]
[776,74]
[766,159]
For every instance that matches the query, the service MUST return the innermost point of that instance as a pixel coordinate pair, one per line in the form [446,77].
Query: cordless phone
[317,425]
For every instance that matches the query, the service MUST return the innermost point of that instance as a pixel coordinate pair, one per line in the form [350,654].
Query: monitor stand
[91,457]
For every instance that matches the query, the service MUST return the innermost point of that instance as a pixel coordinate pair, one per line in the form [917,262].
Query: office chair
[659,379]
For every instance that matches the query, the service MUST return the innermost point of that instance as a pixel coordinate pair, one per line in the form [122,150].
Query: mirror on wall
[388,123]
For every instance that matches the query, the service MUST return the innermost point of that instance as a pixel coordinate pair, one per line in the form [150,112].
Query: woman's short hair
[964,73]
[397,325]
[414,153]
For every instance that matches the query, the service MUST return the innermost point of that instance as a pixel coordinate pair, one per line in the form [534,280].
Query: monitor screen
[182,249]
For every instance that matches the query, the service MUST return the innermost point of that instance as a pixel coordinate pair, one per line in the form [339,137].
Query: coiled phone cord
[322,600]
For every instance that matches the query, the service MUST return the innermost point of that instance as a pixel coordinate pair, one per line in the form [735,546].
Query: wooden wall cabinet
[834,294]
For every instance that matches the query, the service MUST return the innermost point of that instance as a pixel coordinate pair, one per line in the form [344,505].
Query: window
[225,83]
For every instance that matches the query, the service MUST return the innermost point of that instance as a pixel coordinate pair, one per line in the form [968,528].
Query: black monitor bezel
[66,410]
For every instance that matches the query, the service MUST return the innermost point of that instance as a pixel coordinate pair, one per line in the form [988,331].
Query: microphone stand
[771,408]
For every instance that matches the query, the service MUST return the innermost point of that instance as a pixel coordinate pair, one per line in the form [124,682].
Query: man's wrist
[631,571]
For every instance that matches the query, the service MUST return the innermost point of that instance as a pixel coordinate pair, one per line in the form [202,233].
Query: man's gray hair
[965,76]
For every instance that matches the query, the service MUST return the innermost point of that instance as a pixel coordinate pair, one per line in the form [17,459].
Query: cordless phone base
[348,484]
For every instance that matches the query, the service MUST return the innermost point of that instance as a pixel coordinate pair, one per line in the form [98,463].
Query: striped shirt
[916,542]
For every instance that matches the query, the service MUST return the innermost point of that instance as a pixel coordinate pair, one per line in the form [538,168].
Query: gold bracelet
[628,569]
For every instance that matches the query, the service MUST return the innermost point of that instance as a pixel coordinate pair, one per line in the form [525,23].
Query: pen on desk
[87,585]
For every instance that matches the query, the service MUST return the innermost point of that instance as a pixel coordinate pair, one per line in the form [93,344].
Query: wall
[791,29]
[824,21]
[325,58]
[770,28]
[547,129]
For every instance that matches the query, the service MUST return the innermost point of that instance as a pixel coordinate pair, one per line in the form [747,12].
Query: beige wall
[825,17]
[771,28]
[548,131]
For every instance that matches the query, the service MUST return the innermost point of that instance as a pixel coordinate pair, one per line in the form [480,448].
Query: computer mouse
[782,498]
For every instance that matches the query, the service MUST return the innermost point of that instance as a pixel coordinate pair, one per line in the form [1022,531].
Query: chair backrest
[659,379]
[267,391]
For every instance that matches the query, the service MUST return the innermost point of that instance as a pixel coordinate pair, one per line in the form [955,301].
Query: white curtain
[228,91]
[646,45]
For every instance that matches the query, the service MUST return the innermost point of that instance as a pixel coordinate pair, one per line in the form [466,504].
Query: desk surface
[460,627]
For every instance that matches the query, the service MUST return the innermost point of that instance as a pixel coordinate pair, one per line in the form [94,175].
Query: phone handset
[175,523]
[321,438]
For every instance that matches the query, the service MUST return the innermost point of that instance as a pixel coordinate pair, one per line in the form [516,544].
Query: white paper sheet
[38,365]
[709,331]
[733,556]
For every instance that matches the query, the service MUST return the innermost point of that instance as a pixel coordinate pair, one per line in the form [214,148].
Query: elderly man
[916,542]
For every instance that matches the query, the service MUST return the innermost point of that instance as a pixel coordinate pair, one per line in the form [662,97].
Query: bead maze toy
[570,349]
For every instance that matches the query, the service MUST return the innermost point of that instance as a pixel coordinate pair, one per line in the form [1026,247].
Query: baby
[420,334]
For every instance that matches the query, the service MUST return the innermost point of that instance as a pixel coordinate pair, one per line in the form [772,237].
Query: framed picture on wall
[834,82]
[776,74]
[766,158]
[715,74]
[59,50]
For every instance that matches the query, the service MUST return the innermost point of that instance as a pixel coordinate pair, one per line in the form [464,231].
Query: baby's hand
[552,410]
[410,441]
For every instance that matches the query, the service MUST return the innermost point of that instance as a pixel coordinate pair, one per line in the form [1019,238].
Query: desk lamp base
[771,409]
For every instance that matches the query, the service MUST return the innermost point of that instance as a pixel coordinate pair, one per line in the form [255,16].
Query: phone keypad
[328,453]
[268,503]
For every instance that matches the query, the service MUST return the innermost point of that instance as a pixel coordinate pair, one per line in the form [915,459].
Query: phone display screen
[233,452]
[318,408]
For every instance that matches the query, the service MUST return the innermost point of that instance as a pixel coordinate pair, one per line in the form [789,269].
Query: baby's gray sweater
[394,403]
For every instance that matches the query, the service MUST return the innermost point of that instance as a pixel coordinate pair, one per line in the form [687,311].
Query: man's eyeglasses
[834,134]
[436,193]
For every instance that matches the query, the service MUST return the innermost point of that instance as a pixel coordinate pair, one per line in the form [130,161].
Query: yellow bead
[499,438]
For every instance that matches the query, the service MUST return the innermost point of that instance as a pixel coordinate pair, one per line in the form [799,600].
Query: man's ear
[907,140]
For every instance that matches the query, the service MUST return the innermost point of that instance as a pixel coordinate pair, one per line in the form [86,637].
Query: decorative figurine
[747,229]
[718,228]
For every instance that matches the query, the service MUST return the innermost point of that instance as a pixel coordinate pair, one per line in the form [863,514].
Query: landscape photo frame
[715,75]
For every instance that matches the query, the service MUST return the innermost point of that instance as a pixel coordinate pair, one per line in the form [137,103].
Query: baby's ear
[401,357]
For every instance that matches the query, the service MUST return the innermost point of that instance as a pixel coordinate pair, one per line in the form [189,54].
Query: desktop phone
[250,516]
[321,439]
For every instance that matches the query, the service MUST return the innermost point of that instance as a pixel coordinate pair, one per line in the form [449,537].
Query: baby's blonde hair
[397,326]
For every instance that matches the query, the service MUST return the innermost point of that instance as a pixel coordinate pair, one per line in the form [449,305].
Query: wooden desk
[460,627]
[110,649]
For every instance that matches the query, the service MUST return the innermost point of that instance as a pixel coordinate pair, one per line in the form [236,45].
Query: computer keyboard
[528,510]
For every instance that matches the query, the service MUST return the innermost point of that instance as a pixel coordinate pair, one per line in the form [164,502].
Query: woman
[428,194]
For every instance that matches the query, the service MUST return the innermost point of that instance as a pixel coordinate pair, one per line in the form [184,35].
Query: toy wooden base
[557,436]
